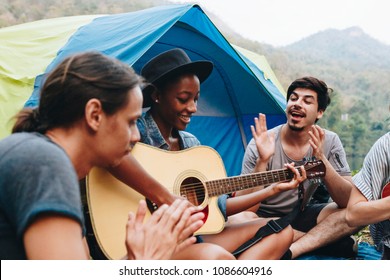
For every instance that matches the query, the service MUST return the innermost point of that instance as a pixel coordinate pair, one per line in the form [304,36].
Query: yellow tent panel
[25,52]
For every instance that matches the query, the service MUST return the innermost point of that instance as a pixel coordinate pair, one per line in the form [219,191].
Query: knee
[248,215]
[204,251]
[285,237]
[215,252]
[330,210]
[242,217]
[288,233]
[282,239]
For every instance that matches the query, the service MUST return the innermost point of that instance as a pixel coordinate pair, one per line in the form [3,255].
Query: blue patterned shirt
[151,135]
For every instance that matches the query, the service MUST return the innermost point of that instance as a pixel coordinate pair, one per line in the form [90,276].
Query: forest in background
[355,65]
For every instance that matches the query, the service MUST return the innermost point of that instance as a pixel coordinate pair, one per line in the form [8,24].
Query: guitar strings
[242,180]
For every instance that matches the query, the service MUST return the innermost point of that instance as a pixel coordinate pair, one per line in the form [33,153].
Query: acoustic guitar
[197,173]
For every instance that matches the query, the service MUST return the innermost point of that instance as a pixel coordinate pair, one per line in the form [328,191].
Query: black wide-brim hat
[168,65]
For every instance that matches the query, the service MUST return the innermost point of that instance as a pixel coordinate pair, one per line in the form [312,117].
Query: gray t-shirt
[284,203]
[36,177]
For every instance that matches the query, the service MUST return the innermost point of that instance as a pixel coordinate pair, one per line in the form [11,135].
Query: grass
[364,236]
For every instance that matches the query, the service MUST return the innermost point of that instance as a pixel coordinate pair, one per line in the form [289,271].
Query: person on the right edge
[369,202]
[319,228]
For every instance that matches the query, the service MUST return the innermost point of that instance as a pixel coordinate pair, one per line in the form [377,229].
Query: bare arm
[169,230]
[362,212]
[248,202]
[52,237]
[339,187]
[251,201]
[130,172]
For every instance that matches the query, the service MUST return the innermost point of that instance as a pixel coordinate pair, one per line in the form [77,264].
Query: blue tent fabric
[231,97]
[367,251]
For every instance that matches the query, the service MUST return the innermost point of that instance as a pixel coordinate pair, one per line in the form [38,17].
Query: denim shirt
[151,135]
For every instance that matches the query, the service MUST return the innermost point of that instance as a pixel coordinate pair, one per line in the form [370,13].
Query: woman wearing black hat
[172,95]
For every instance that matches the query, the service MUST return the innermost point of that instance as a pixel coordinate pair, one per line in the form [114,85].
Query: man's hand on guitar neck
[169,230]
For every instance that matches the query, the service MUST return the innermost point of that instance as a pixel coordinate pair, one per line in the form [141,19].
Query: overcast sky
[281,22]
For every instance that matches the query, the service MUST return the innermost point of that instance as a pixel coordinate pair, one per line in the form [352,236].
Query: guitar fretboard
[242,182]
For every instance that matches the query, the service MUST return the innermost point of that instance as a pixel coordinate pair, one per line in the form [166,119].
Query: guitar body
[198,174]
[386,190]
[109,200]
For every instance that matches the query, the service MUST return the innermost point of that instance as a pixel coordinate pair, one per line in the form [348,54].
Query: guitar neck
[243,182]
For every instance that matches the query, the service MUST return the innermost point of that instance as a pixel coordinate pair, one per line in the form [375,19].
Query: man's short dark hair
[320,87]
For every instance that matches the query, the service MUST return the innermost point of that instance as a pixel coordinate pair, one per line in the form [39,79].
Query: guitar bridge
[151,205]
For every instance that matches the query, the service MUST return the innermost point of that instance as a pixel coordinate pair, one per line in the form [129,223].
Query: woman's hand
[167,231]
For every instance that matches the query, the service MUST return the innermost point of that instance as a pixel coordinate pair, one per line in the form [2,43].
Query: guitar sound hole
[192,189]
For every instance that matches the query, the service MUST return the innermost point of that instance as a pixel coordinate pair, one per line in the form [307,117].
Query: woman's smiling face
[177,101]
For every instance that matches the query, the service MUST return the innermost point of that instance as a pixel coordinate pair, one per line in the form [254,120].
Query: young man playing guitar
[369,202]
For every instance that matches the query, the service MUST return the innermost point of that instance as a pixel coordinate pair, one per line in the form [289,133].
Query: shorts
[307,219]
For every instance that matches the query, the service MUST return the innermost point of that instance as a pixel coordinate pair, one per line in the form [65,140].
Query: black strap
[273,226]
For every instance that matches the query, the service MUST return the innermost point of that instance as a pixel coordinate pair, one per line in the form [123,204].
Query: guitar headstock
[315,168]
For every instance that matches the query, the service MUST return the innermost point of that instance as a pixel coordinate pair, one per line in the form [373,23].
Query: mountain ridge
[351,45]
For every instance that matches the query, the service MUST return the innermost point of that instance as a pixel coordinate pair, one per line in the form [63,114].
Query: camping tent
[235,92]
[261,62]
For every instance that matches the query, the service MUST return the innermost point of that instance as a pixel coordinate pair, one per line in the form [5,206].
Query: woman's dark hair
[322,90]
[69,87]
